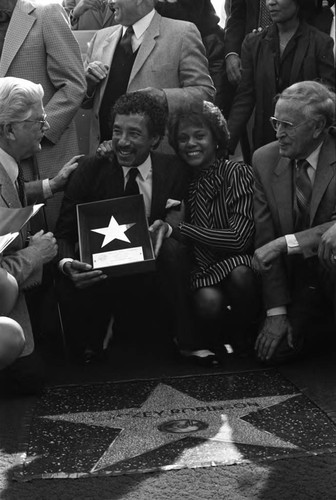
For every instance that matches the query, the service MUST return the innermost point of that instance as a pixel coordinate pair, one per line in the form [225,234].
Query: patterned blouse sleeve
[237,236]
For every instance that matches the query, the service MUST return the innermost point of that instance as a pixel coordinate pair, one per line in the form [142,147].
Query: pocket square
[172,203]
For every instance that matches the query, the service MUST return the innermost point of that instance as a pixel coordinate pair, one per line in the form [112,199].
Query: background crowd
[229,134]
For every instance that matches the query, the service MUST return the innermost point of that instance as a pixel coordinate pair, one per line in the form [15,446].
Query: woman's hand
[104,150]
[159,231]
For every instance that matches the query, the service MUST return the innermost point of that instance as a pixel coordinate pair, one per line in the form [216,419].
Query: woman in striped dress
[218,229]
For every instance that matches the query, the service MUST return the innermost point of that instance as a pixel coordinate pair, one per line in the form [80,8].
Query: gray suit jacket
[24,263]
[171,57]
[41,47]
[273,210]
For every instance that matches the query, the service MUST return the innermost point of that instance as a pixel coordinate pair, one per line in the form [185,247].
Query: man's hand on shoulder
[82,275]
[159,230]
[60,180]
[275,328]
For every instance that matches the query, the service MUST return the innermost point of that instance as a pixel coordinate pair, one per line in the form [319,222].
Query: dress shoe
[200,357]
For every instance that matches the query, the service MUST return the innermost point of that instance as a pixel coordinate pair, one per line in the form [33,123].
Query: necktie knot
[132,187]
[126,41]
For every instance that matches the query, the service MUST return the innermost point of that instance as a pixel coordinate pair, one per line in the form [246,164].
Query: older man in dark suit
[138,125]
[295,203]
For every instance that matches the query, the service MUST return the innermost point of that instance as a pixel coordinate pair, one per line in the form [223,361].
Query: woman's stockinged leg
[243,291]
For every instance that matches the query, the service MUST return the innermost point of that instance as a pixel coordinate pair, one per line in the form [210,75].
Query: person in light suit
[164,57]
[294,206]
[40,46]
[22,127]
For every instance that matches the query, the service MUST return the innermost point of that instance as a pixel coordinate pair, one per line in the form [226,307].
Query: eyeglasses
[42,122]
[287,127]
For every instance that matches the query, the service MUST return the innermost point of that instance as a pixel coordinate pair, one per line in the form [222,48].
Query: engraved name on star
[114,231]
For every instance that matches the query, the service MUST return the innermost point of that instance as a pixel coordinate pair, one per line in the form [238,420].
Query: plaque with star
[114,236]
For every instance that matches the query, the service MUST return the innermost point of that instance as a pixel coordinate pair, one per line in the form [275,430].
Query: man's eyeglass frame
[288,127]
[42,122]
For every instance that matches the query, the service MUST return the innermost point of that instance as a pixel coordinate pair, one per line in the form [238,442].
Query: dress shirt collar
[312,159]
[10,165]
[141,25]
[144,169]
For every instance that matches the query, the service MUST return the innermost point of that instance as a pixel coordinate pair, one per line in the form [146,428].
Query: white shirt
[12,169]
[139,29]
[144,181]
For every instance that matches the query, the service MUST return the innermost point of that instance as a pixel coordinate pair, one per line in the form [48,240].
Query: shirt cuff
[62,262]
[170,230]
[293,246]
[47,192]
[276,311]
[231,54]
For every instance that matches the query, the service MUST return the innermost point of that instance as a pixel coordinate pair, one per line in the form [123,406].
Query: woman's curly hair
[206,114]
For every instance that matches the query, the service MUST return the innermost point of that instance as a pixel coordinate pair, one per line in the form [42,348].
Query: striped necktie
[303,192]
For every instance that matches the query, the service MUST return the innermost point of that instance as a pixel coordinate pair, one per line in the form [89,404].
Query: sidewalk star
[217,429]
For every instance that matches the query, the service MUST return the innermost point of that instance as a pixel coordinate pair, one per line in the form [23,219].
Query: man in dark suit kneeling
[87,298]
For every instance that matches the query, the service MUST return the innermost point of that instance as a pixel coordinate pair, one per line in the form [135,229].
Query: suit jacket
[24,263]
[91,19]
[41,47]
[100,179]
[313,59]
[273,210]
[243,18]
[181,71]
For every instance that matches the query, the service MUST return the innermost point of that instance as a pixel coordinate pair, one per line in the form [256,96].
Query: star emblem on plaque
[114,236]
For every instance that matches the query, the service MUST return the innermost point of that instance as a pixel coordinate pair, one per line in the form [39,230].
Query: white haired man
[295,203]
[23,123]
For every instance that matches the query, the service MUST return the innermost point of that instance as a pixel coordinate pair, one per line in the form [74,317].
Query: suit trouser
[149,303]
[312,310]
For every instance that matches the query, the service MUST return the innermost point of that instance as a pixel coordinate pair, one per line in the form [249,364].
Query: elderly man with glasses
[295,203]
[23,124]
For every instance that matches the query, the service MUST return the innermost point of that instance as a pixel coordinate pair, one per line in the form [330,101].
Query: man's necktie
[126,41]
[303,192]
[132,187]
[264,15]
[20,186]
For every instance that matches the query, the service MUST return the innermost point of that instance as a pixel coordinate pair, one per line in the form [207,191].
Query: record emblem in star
[114,231]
